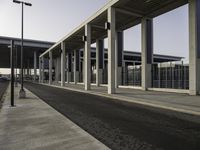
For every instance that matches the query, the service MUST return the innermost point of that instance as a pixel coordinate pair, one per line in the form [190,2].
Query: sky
[50,20]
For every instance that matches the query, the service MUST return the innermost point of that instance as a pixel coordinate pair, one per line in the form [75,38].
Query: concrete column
[172,68]
[69,65]
[111,50]
[119,58]
[42,69]
[194,47]
[147,52]
[83,71]
[159,75]
[28,68]
[87,57]
[24,71]
[63,63]
[58,68]
[99,61]
[50,67]
[76,66]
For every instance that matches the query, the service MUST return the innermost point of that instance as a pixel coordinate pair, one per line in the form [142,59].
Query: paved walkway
[33,124]
[171,101]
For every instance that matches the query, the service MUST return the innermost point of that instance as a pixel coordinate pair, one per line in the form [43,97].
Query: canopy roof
[128,14]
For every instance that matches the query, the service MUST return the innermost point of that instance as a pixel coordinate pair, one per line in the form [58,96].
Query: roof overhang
[128,14]
[30,46]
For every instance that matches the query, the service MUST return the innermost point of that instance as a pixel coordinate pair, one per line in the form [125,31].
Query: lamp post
[11,46]
[22,93]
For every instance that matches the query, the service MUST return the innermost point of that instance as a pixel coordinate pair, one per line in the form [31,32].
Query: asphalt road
[123,126]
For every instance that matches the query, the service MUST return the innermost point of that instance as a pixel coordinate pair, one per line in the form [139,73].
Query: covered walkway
[110,22]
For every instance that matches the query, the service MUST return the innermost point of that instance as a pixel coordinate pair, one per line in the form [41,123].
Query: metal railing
[173,75]
[131,75]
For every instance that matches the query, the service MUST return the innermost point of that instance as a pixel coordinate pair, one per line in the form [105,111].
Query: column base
[68,77]
[146,77]
[194,93]
[144,89]
[76,77]
[119,76]
[22,94]
[87,88]
[111,91]
[62,83]
[100,76]
[16,84]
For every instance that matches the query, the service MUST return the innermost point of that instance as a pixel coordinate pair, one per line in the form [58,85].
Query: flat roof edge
[87,21]
[28,40]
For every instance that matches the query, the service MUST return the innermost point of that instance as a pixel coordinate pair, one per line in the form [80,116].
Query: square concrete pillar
[58,69]
[69,65]
[50,67]
[28,68]
[83,71]
[63,63]
[119,58]
[194,47]
[42,69]
[147,52]
[111,51]
[99,61]
[35,65]
[87,57]
[76,66]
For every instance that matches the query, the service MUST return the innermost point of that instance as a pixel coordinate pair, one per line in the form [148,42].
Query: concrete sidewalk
[183,103]
[33,124]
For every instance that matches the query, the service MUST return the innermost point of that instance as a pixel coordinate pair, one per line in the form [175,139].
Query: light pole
[11,46]
[22,93]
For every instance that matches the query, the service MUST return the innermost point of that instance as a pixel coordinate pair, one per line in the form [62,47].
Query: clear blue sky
[50,20]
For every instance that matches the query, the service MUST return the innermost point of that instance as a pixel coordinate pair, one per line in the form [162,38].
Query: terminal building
[32,50]
[110,22]
[130,74]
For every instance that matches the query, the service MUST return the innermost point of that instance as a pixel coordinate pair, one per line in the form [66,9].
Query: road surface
[123,125]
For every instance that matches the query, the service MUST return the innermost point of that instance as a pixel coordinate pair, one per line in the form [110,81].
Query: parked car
[3,79]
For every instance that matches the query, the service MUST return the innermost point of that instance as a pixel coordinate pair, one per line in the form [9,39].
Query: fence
[173,75]
[131,75]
